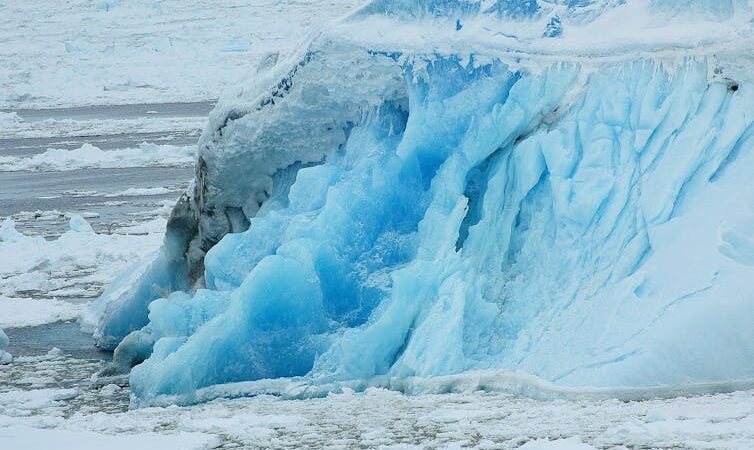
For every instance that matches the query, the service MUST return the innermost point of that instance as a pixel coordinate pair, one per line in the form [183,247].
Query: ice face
[388,213]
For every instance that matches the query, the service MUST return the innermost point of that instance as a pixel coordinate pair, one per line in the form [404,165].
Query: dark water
[44,191]
[67,336]
[29,191]
[50,191]
[98,112]
[22,194]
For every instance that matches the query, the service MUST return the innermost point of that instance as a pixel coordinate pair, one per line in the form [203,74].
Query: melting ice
[397,204]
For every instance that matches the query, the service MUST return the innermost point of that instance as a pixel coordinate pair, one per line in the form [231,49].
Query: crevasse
[382,212]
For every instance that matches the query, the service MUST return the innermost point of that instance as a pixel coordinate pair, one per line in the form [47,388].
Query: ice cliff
[557,189]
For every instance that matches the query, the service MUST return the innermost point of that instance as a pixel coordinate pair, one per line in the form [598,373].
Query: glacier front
[560,190]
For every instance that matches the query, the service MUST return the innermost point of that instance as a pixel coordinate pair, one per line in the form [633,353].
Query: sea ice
[88,52]
[375,418]
[88,156]
[557,444]
[76,264]
[20,436]
[26,312]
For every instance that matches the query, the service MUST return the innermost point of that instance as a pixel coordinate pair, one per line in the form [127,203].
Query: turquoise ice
[387,212]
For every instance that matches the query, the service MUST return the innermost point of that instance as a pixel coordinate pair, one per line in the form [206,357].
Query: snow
[28,437]
[559,444]
[130,192]
[8,119]
[26,312]
[379,418]
[116,52]
[77,264]
[92,128]
[602,29]
[88,157]
[24,403]
[135,192]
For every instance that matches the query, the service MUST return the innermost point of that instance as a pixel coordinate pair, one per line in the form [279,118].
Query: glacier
[559,190]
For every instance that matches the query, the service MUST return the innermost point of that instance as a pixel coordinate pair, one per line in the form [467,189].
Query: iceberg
[555,189]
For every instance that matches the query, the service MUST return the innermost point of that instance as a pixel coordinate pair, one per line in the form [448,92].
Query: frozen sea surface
[51,395]
[85,52]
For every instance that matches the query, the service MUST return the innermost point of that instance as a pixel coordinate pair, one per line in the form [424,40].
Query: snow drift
[561,189]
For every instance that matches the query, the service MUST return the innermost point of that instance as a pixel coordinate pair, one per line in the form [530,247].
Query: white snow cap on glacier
[549,196]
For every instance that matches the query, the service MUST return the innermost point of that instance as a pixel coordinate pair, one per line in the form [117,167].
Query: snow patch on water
[9,119]
[49,128]
[137,192]
[573,443]
[77,265]
[26,312]
[90,157]
[20,436]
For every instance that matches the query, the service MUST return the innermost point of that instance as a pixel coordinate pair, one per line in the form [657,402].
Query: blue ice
[582,224]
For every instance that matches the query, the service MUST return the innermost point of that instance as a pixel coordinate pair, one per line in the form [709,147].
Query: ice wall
[387,212]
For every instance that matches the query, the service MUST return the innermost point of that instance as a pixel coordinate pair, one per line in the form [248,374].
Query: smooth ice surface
[424,205]
[557,444]
[19,436]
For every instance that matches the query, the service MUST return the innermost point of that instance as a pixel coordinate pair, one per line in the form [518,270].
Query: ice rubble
[441,201]
[76,264]
[88,156]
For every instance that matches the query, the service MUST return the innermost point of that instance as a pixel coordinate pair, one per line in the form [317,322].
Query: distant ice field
[101,52]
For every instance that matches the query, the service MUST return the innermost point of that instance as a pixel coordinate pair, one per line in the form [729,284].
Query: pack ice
[551,190]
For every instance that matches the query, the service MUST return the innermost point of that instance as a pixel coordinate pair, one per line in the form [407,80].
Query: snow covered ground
[86,52]
[75,415]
